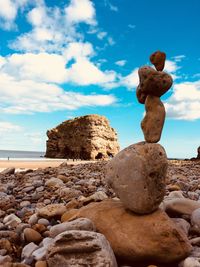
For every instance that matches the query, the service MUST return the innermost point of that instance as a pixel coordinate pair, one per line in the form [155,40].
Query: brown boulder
[137,175]
[135,238]
[154,82]
[158,60]
[154,119]
[87,137]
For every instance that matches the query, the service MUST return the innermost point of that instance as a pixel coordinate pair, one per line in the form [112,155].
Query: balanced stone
[153,122]
[137,175]
[158,60]
[154,82]
[140,95]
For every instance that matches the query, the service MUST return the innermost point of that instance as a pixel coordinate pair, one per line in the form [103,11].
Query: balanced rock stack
[137,174]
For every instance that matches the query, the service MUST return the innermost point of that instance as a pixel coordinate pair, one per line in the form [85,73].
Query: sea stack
[87,137]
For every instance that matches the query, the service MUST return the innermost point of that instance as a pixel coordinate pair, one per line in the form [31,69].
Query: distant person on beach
[8,158]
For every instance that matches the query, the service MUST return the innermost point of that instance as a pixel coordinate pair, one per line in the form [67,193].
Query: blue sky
[67,58]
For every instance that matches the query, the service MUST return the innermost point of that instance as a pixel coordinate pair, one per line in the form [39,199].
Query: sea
[21,155]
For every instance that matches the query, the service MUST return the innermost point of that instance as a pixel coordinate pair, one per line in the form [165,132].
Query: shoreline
[35,164]
[24,164]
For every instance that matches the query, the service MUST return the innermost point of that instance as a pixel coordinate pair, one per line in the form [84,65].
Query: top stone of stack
[153,84]
[158,60]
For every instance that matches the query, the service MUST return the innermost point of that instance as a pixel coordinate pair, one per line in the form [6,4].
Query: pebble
[54,182]
[195,220]
[28,250]
[190,262]
[4,259]
[41,264]
[25,203]
[44,221]
[32,235]
[8,171]
[33,219]
[181,206]
[11,220]
[51,210]
[78,224]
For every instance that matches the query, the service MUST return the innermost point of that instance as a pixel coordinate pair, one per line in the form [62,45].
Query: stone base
[137,175]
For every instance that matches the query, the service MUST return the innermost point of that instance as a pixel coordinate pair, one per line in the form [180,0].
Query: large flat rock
[137,238]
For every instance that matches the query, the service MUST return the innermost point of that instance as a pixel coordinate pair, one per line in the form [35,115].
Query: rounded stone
[140,95]
[195,219]
[41,264]
[154,82]
[154,119]
[32,235]
[137,175]
[51,210]
[44,221]
[158,60]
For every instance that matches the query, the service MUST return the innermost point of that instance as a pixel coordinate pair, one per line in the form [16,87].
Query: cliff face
[87,137]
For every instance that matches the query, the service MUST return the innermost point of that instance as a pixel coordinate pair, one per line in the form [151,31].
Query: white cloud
[171,66]
[179,58]
[81,11]
[121,62]
[184,103]
[8,12]
[101,35]
[131,81]
[131,26]
[111,6]
[84,72]
[34,67]
[36,138]
[74,66]
[78,50]
[37,15]
[28,81]
[54,28]
[27,96]
[111,41]
[8,127]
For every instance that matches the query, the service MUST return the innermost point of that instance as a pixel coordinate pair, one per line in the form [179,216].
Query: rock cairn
[137,174]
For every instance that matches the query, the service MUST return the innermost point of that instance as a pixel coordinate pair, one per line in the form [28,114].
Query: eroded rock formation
[87,137]
[198,153]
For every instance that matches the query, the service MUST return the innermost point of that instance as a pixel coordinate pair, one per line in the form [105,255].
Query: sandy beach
[34,164]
